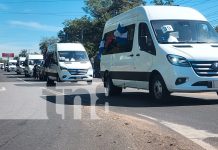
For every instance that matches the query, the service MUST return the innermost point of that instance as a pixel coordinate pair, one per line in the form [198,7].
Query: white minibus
[30,62]
[11,65]
[68,62]
[162,49]
[20,65]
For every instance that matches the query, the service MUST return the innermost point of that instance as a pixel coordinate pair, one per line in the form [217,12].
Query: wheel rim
[158,89]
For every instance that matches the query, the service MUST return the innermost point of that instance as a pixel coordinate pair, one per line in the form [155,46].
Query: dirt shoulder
[117,131]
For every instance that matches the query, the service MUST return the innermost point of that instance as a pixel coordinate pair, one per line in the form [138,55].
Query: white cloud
[3,7]
[35,25]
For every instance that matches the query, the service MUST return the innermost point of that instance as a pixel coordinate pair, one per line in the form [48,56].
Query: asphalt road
[29,105]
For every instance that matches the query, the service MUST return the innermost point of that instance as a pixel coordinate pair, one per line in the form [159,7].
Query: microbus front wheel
[158,89]
[110,89]
[50,82]
[89,82]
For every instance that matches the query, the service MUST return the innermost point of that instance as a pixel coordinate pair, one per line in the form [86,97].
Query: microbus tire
[58,79]
[158,89]
[89,82]
[50,82]
[110,89]
[26,75]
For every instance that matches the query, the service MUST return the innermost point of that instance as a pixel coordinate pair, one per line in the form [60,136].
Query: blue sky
[25,22]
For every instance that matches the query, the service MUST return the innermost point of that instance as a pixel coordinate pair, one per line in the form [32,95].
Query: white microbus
[68,62]
[30,62]
[20,65]
[162,49]
[11,65]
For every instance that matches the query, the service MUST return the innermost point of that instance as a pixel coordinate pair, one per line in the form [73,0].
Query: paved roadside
[40,118]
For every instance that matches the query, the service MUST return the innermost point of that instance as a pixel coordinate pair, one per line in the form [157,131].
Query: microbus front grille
[205,68]
[78,71]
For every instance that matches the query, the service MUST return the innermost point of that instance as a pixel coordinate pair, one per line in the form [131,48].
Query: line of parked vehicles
[62,62]
[162,49]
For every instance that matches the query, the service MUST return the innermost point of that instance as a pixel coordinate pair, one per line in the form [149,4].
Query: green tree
[216,28]
[82,30]
[16,57]
[163,2]
[105,9]
[23,53]
[45,42]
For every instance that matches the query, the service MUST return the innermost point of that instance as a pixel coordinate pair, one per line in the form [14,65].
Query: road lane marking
[2,89]
[197,136]
[23,81]
[53,92]
[147,117]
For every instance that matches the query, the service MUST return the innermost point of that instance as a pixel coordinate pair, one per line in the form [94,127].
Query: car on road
[162,49]
[2,65]
[20,65]
[30,62]
[11,65]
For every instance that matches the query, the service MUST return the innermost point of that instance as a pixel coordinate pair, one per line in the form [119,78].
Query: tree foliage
[45,42]
[216,28]
[163,2]
[105,9]
[23,53]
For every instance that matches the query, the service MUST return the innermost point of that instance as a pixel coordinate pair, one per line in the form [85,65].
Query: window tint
[145,41]
[116,42]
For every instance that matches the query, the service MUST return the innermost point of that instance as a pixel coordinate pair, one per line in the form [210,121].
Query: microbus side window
[119,44]
[145,40]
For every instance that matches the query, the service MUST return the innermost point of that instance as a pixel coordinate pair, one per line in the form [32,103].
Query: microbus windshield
[65,56]
[12,63]
[35,61]
[184,31]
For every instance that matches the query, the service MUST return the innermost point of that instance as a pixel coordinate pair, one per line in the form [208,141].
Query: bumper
[11,69]
[192,83]
[20,70]
[66,76]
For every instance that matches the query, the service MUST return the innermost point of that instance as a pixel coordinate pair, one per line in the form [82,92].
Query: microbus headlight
[178,60]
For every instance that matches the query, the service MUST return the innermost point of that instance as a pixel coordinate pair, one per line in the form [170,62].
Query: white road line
[53,92]
[2,89]
[147,117]
[197,136]
[23,81]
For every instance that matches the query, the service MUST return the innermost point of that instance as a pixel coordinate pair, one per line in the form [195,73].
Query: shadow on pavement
[127,99]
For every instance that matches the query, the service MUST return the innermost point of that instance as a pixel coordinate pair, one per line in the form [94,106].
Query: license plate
[215,84]
[78,77]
